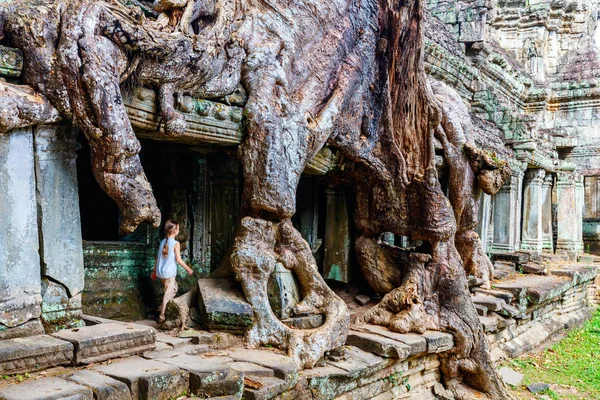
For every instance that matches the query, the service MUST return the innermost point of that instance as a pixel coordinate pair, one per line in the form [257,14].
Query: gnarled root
[475,261]
[405,309]
[377,265]
[467,369]
[258,246]
[21,107]
[491,172]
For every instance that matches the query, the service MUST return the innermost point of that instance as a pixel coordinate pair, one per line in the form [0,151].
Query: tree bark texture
[347,73]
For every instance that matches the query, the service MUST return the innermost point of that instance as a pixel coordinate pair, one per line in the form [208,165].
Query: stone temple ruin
[394,196]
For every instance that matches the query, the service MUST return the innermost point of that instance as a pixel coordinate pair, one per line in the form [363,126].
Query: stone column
[547,239]
[569,190]
[200,240]
[532,233]
[484,217]
[59,226]
[506,214]
[20,286]
[336,263]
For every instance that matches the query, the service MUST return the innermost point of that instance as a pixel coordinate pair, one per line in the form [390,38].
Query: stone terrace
[535,299]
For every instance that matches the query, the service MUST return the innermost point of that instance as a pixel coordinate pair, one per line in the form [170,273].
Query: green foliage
[572,363]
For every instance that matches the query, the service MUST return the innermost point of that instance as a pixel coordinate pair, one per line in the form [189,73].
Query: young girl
[165,266]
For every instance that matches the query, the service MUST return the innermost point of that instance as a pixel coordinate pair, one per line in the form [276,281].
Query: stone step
[104,341]
[230,386]
[533,268]
[104,387]
[577,272]
[438,342]
[377,344]
[490,302]
[46,389]
[33,353]
[284,367]
[416,342]
[269,388]
[501,294]
[147,379]
[489,324]
[251,369]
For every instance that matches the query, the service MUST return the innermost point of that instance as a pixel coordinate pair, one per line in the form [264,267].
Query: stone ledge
[46,389]
[33,353]
[101,342]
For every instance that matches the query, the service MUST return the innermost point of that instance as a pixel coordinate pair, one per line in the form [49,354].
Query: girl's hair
[170,226]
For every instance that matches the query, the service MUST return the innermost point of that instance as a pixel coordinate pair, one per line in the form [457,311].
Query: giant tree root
[258,246]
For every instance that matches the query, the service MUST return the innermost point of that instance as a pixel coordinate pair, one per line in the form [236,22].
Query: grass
[571,366]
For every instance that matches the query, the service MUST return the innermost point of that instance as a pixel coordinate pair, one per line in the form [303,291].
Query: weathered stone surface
[101,342]
[481,310]
[438,342]
[231,386]
[362,300]
[283,291]
[19,256]
[223,306]
[416,342]
[174,342]
[510,377]
[489,324]
[250,369]
[202,371]
[284,367]
[501,294]
[490,302]
[269,389]
[46,389]
[379,345]
[30,328]
[305,322]
[534,268]
[33,353]
[509,311]
[104,387]
[537,387]
[11,61]
[147,379]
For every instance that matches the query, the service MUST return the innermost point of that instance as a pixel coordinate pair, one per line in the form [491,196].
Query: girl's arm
[180,261]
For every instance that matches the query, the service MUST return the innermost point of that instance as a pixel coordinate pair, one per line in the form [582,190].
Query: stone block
[416,342]
[172,341]
[104,387]
[473,31]
[533,268]
[223,306]
[230,386]
[510,311]
[283,291]
[438,342]
[101,342]
[250,369]
[11,62]
[33,353]
[305,322]
[510,377]
[283,366]
[265,388]
[481,310]
[46,389]
[501,294]
[489,324]
[379,345]
[538,387]
[147,379]
[30,328]
[490,302]
[362,300]
[202,371]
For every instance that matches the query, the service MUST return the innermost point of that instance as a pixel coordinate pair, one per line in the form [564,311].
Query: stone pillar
[200,240]
[569,191]
[532,236]
[547,239]
[59,226]
[20,286]
[336,263]
[484,217]
[506,214]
